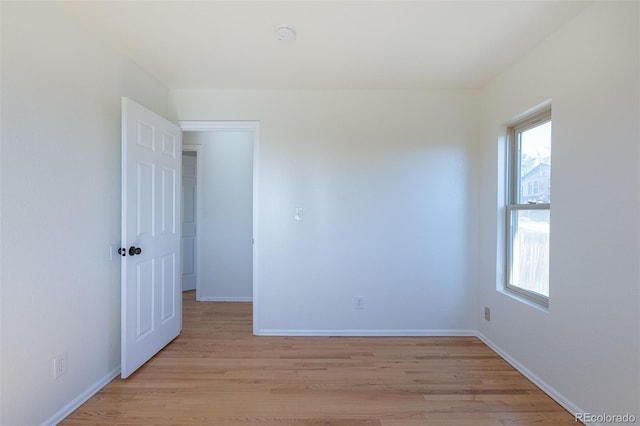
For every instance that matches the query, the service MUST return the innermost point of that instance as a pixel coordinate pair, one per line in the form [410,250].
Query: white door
[151,292]
[189,220]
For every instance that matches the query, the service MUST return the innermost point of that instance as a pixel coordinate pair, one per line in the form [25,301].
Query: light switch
[298,215]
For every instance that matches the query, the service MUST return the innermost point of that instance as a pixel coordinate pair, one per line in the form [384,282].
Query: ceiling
[339,45]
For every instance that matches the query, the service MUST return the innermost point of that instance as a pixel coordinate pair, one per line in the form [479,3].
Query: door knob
[134,250]
[122,251]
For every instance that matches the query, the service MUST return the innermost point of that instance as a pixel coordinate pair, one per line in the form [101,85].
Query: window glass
[530,251]
[535,164]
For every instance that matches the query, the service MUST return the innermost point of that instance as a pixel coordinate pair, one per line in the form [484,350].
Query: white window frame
[513,203]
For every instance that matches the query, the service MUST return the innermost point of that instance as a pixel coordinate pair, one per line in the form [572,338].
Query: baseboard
[544,386]
[225,299]
[364,333]
[61,414]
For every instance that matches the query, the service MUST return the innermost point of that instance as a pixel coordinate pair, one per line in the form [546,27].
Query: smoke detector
[285,33]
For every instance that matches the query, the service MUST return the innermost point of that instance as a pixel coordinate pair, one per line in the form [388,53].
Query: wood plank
[218,373]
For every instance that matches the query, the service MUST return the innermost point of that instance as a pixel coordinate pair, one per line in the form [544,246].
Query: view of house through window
[528,207]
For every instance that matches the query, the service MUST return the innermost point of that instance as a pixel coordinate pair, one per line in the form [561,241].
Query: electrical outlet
[358,302]
[60,365]
[487,313]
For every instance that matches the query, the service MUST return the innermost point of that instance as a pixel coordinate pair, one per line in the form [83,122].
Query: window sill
[526,301]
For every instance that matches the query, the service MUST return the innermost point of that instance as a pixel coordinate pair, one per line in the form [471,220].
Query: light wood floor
[218,373]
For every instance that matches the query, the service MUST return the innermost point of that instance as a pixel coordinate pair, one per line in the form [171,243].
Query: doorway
[189,217]
[225,161]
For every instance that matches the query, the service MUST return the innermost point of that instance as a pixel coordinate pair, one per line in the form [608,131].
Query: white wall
[383,178]
[225,172]
[585,349]
[60,207]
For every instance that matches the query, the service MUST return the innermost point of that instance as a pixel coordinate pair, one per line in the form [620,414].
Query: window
[528,207]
